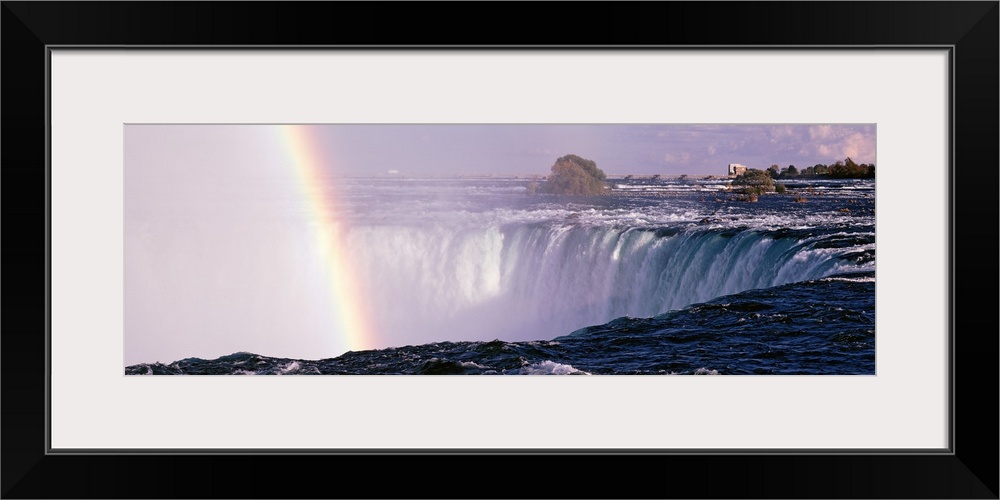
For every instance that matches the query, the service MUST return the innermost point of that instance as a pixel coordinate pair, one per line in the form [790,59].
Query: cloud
[829,143]
[859,147]
[711,150]
[820,132]
[781,134]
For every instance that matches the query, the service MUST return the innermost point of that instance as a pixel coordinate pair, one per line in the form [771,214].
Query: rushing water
[467,276]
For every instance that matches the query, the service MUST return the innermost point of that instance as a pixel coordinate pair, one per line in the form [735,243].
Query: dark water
[825,326]
[674,276]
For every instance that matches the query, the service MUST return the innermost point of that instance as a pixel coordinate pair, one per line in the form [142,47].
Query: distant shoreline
[610,177]
[522,177]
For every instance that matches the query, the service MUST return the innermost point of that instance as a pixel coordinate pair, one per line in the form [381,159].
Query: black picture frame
[969,28]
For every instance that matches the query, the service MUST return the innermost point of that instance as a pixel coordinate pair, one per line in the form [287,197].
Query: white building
[737,169]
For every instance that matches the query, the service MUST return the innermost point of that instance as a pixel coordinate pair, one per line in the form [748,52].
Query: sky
[617,149]
[442,150]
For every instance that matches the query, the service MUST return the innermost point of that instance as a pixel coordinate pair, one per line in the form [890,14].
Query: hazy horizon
[475,149]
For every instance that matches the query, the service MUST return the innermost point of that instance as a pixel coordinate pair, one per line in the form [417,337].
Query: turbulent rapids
[478,277]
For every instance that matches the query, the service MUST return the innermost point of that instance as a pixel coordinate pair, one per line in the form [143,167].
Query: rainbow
[313,174]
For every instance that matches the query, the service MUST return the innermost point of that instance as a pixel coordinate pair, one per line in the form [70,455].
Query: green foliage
[779,188]
[572,174]
[848,169]
[758,181]
[754,182]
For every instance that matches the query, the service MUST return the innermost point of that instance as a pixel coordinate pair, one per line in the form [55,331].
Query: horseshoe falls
[477,276]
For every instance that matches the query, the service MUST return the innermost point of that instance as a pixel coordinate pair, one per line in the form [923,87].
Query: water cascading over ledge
[538,280]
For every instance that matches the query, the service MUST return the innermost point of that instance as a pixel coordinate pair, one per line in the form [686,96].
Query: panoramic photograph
[499,249]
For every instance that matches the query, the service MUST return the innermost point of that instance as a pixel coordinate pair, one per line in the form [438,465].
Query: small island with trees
[755,182]
[572,174]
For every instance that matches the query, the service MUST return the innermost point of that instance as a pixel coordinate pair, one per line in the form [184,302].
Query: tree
[773,171]
[754,182]
[572,174]
[792,171]
[848,169]
[838,170]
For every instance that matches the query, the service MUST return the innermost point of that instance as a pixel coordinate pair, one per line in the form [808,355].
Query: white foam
[860,279]
[705,371]
[451,202]
[290,367]
[551,368]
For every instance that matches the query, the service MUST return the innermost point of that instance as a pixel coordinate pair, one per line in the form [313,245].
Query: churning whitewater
[664,276]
